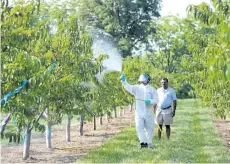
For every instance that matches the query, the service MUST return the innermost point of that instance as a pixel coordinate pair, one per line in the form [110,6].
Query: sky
[173,7]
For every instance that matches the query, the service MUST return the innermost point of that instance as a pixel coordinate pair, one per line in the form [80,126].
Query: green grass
[194,139]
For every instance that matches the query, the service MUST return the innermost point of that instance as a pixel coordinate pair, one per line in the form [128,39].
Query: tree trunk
[81,124]
[48,130]
[131,107]
[168,57]
[68,121]
[94,122]
[100,119]
[123,110]
[4,122]
[27,138]
[108,115]
[115,113]
[120,112]
[48,135]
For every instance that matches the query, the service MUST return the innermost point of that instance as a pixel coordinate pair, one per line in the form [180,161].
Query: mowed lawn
[194,139]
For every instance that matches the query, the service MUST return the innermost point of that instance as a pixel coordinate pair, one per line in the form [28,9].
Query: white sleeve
[154,97]
[130,88]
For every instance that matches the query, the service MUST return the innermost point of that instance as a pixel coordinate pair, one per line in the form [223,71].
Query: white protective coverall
[144,117]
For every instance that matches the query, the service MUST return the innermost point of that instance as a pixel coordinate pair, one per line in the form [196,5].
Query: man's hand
[123,78]
[173,113]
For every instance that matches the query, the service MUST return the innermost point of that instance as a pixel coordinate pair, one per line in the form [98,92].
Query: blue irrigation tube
[23,85]
[17,90]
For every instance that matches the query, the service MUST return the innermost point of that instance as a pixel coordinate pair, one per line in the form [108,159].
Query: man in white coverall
[146,96]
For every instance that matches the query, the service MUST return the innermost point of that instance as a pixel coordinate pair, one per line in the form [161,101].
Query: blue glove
[147,102]
[123,78]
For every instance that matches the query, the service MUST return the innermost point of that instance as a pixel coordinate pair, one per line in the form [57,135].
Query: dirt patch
[63,152]
[223,127]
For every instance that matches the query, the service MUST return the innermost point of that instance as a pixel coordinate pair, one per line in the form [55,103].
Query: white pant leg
[140,128]
[149,126]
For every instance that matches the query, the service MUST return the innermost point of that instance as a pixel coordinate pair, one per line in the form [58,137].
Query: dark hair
[165,79]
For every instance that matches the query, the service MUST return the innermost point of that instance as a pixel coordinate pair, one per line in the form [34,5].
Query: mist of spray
[104,44]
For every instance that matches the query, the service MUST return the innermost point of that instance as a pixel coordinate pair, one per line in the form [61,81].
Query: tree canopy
[128,22]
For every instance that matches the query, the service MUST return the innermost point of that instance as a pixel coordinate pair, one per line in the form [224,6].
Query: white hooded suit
[144,117]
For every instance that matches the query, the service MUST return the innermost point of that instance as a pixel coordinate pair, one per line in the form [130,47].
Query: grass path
[194,139]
